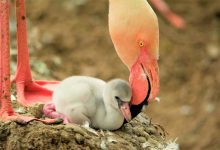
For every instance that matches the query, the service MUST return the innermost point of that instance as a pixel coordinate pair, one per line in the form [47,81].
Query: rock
[79,138]
[213,51]
[20,110]
[65,135]
[4,132]
[36,110]
[141,139]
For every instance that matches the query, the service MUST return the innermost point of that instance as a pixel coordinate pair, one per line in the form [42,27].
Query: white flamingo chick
[85,99]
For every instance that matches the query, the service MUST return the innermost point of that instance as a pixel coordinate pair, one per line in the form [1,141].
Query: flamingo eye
[141,44]
[119,101]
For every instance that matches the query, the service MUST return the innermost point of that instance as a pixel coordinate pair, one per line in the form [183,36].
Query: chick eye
[117,98]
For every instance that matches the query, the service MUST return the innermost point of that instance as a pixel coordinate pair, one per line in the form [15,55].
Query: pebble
[209,108]
[146,145]
[13,98]
[151,130]
[68,129]
[65,135]
[79,138]
[141,139]
[185,110]
[213,51]
[20,110]
[4,132]
[76,128]
[36,110]
[112,140]
[103,145]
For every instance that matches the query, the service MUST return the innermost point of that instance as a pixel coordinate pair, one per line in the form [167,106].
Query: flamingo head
[133,27]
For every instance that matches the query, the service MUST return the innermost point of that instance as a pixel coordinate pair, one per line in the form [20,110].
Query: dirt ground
[71,38]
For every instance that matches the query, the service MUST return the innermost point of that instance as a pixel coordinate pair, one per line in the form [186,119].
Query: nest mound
[140,133]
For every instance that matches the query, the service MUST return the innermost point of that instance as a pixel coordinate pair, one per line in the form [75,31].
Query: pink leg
[5,59]
[173,18]
[1,69]
[50,111]
[6,110]
[29,92]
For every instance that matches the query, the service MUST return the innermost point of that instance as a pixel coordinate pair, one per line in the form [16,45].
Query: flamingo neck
[112,114]
[109,106]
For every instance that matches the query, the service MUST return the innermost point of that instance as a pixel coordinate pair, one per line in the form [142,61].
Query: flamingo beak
[144,81]
[125,109]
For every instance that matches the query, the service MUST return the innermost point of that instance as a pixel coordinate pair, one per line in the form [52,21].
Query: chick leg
[49,110]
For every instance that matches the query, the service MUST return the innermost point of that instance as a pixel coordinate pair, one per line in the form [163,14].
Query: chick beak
[125,109]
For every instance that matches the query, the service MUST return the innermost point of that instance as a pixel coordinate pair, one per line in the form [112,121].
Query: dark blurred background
[71,37]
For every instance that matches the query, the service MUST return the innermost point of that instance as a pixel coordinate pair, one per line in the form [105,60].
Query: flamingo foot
[35,92]
[50,111]
[4,117]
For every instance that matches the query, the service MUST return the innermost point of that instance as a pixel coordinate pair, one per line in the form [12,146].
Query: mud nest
[140,133]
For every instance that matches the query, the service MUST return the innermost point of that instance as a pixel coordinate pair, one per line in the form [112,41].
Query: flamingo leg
[5,59]
[164,9]
[6,110]
[28,91]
